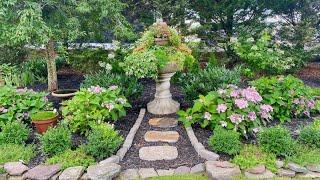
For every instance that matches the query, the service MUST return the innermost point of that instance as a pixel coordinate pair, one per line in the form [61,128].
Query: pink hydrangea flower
[241,103]
[96,89]
[113,87]
[235,93]
[3,110]
[223,123]
[221,108]
[256,130]
[251,94]
[109,106]
[45,98]
[311,104]
[25,115]
[265,115]
[24,90]
[236,118]
[266,108]
[252,116]
[207,115]
[296,101]
[307,113]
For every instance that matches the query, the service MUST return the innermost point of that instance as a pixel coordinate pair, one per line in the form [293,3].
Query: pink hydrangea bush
[232,108]
[94,105]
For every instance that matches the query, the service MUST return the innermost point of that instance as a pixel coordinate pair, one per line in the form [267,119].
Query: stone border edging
[128,141]
[200,149]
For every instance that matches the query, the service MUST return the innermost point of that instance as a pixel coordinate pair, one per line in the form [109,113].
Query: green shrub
[277,140]
[130,87]
[204,81]
[225,141]
[305,156]
[288,96]
[56,140]
[233,108]
[103,141]
[310,135]
[15,152]
[14,132]
[17,104]
[251,156]
[12,54]
[71,158]
[94,105]
[2,171]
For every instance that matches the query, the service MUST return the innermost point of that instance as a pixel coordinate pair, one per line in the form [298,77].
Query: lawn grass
[182,177]
[305,156]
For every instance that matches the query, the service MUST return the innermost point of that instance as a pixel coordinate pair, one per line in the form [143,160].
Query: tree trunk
[51,67]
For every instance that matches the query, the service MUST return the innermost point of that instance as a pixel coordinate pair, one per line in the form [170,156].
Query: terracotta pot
[161,41]
[42,126]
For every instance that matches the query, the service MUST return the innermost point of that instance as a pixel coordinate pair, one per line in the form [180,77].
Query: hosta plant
[18,104]
[288,95]
[232,108]
[94,105]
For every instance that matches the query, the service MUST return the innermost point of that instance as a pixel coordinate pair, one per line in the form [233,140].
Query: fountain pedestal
[163,102]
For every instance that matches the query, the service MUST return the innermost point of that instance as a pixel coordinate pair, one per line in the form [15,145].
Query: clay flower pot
[44,119]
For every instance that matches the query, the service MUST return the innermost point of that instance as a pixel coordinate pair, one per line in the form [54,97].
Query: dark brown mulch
[187,156]
[311,74]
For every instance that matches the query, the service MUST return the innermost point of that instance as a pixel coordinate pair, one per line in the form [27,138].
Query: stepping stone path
[166,152]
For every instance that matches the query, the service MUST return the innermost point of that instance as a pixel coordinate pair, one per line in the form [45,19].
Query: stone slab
[220,173]
[147,173]
[286,173]
[163,122]
[182,170]
[165,172]
[103,172]
[154,153]
[15,168]
[297,168]
[161,136]
[41,172]
[129,174]
[199,168]
[266,175]
[72,173]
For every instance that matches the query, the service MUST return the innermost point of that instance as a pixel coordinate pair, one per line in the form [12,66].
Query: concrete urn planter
[163,102]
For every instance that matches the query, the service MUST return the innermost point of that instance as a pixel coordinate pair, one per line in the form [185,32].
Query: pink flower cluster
[241,103]
[265,110]
[3,110]
[236,118]
[251,94]
[96,89]
[109,105]
[207,116]
[222,108]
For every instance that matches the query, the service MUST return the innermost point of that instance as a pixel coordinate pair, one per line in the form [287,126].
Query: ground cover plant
[14,132]
[16,152]
[310,135]
[94,105]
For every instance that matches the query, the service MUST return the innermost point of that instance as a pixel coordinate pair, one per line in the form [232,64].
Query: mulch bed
[311,74]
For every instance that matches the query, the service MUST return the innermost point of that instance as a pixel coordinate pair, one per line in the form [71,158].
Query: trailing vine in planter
[159,45]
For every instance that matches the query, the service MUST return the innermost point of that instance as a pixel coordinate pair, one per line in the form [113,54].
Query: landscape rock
[111,159]
[163,122]
[15,168]
[182,170]
[56,176]
[122,152]
[286,173]
[257,170]
[165,172]
[41,172]
[85,177]
[297,168]
[199,168]
[309,175]
[3,176]
[224,164]
[103,172]
[162,136]
[314,167]
[279,164]
[220,173]
[14,178]
[208,155]
[72,173]
[266,175]
[153,153]
[147,173]
[129,174]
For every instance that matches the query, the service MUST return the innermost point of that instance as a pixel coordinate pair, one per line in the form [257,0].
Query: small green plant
[305,156]
[103,141]
[277,140]
[310,135]
[210,79]
[129,86]
[225,141]
[232,108]
[94,105]
[43,115]
[288,95]
[56,140]
[251,156]
[14,132]
[18,104]
[71,158]
[15,152]
[2,171]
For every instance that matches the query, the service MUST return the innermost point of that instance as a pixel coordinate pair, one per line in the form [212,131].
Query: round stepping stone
[163,136]
[154,153]
[163,122]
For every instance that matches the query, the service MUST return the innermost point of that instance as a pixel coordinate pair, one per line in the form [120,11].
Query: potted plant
[159,54]
[44,119]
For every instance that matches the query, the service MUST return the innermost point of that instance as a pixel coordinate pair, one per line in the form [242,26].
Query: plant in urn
[159,54]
